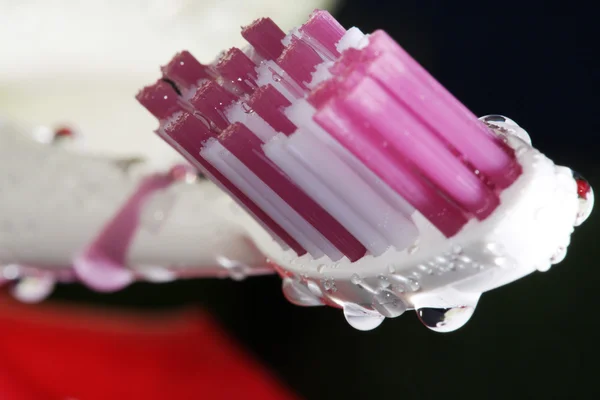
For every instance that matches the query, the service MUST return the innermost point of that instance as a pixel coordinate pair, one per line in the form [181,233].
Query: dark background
[535,338]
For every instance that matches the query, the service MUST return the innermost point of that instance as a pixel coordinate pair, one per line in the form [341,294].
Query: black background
[535,338]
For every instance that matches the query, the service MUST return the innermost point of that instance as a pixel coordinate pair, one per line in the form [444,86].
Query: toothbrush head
[381,191]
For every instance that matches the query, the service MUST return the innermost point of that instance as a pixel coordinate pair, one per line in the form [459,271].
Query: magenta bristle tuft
[246,146]
[322,27]
[238,70]
[299,60]
[268,103]
[185,70]
[306,138]
[211,100]
[265,36]
[189,134]
[160,99]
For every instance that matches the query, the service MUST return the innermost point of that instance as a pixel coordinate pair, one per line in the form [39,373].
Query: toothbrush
[377,191]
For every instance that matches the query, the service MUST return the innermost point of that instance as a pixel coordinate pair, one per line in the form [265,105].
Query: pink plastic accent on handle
[246,146]
[265,36]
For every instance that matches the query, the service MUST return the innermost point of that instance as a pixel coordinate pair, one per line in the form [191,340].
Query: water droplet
[33,289]
[388,304]
[445,319]
[383,280]
[329,285]
[456,249]
[183,173]
[494,248]
[501,261]
[157,274]
[413,284]
[391,269]
[427,270]
[297,293]
[441,260]
[413,249]
[276,77]
[505,126]
[355,279]
[247,109]
[11,272]
[237,271]
[321,268]
[100,272]
[464,259]
[361,318]
[585,194]
[314,289]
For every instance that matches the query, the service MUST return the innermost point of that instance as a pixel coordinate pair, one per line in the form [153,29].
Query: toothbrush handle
[56,205]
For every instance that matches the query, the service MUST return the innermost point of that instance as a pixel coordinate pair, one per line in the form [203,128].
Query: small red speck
[63,132]
[583,188]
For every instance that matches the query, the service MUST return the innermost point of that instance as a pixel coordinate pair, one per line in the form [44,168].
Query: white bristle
[270,73]
[304,233]
[301,114]
[351,189]
[288,161]
[353,38]
[240,112]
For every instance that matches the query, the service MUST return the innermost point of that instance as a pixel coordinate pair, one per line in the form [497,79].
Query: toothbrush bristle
[185,71]
[238,69]
[332,147]
[268,103]
[265,36]
[211,100]
[299,60]
[325,29]
[160,99]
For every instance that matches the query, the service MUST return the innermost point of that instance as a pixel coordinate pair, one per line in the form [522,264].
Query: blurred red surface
[69,353]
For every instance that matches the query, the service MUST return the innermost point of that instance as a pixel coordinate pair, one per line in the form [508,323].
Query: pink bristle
[322,27]
[185,70]
[351,58]
[330,88]
[211,100]
[265,36]
[268,103]
[410,83]
[189,133]
[385,121]
[299,60]
[246,146]
[238,69]
[319,96]
[160,99]
[446,216]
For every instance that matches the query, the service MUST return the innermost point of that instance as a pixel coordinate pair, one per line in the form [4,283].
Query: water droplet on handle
[445,319]
[388,304]
[34,289]
[297,293]
[361,318]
